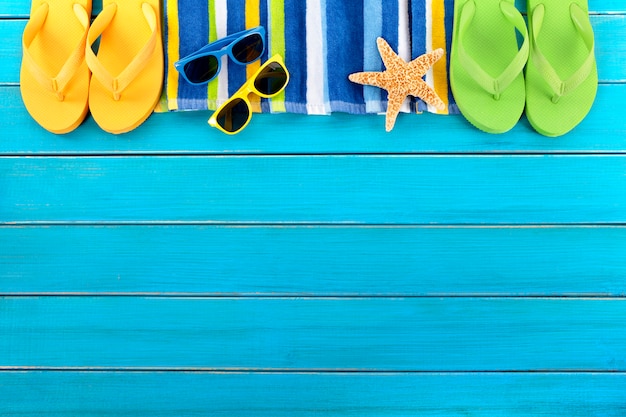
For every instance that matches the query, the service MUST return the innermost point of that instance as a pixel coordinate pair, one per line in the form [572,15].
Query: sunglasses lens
[271,80]
[201,69]
[234,116]
[248,49]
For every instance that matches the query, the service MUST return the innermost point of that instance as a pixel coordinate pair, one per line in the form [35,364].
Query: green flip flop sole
[487,64]
[561,74]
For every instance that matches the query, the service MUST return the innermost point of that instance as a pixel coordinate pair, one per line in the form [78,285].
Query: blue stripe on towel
[345,54]
[390,25]
[373,28]
[264,19]
[418,27]
[194,15]
[295,55]
[390,32]
[236,23]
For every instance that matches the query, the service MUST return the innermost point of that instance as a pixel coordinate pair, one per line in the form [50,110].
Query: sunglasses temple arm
[223,42]
[214,46]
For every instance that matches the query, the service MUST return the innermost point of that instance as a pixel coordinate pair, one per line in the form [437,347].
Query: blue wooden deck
[314,265]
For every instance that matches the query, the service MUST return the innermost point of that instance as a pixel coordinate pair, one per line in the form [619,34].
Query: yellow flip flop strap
[54,84]
[117,84]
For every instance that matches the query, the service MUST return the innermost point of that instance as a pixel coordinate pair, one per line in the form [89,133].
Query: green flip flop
[561,75]
[487,65]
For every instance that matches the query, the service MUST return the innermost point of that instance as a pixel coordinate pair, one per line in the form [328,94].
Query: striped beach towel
[322,42]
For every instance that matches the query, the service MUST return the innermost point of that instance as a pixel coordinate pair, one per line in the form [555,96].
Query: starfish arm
[394,104]
[376,79]
[423,63]
[426,93]
[390,58]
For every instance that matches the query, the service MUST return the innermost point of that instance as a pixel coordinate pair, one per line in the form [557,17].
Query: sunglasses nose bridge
[248,89]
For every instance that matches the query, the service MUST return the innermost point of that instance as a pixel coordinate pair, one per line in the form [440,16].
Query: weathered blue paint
[316,189]
[600,132]
[312,394]
[390,334]
[314,261]
[436,270]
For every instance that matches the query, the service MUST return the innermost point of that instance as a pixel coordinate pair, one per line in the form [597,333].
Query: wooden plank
[389,334]
[595,6]
[21,8]
[14,9]
[307,395]
[297,134]
[319,261]
[11,50]
[310,189]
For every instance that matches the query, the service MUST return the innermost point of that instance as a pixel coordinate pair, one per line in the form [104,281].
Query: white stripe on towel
[315,59]
[430,76]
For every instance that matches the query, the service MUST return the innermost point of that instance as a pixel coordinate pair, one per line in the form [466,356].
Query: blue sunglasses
[203,65]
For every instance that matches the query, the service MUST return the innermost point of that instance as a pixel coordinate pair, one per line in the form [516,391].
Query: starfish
[401,79]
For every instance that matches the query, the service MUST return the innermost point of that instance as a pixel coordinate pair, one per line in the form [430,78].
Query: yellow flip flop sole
[54,77]
[127,73]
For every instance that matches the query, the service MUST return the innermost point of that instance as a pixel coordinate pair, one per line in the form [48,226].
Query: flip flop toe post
[54,78]
[561,74]
[487,63]
[128,69]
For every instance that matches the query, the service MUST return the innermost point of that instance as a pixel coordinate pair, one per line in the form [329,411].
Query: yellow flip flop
[128,70]
[54,78]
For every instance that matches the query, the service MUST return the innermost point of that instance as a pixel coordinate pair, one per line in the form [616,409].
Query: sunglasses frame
[246,89]
[219,48]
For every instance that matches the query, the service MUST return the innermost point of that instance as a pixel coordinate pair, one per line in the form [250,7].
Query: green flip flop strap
[549,74]
[490,84]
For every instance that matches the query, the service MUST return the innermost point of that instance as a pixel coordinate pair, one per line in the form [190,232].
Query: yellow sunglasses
[235,114]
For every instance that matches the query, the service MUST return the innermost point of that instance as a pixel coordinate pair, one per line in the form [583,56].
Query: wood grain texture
[309,395]
[350,134]
[313,261]
[391,334]
[384,278]
[310,189]
[188,133]
[21,8]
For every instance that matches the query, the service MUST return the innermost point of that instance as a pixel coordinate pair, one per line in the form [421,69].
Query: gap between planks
[298,371]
